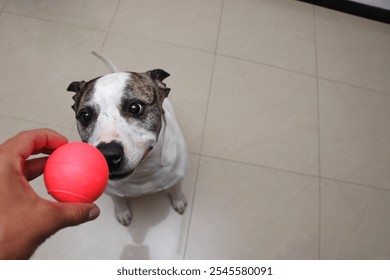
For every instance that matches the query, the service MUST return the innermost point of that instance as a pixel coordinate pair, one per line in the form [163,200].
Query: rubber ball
[76,172]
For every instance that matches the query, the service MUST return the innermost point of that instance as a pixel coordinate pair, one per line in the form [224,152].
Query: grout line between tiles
[110,25]
[316,75]
[355,183]
[291,172]
[266,64]
[203,130]
[354,86]
[191,209]
[162,42]
[106,35]
[259,165]
[56,22]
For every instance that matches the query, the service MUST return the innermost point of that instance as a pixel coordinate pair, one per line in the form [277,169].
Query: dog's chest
[150,176]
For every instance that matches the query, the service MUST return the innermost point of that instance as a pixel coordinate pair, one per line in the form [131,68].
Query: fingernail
[93,213]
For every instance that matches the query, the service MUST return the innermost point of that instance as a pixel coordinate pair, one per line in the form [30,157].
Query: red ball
[76,172]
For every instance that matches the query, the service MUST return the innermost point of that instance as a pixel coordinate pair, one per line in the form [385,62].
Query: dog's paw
[123,215]
[179,201]
[180,205]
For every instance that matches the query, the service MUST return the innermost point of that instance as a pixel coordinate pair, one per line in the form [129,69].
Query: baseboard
[354,8]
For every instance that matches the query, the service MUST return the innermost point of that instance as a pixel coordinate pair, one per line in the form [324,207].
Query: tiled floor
[285,108]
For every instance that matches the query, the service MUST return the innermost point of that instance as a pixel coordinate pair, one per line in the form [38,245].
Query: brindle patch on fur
[140,88]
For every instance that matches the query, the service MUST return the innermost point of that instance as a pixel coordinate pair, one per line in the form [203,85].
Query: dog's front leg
[122,210]
[179,201]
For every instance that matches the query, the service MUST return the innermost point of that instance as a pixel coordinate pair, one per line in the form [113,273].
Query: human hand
[26,219]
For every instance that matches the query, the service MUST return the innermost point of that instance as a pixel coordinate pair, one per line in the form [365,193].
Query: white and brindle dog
[127,116]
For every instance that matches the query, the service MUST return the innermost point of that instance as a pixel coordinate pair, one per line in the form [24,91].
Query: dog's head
[121,114]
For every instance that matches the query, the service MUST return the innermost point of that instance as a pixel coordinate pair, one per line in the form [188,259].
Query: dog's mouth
[146,154]
[119,176]
[122,175]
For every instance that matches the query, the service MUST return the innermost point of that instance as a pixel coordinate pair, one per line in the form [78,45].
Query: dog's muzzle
[116,160]
[114,154]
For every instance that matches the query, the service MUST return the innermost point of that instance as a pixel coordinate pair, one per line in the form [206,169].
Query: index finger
[35,141]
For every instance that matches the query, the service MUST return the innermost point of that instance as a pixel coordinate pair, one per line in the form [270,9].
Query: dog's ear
[76,86]
[158,75]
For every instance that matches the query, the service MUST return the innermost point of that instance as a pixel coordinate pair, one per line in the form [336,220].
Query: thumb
[72,214]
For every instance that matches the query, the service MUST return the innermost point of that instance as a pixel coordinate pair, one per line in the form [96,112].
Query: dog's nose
[113,152]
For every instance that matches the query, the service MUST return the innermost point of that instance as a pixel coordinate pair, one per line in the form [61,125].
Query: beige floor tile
[355,134]
[156,231]
[262,115]
[39,61]
[12,126]
[247,212]
[186,23]
[279,33]
[95,14]
[354,222]
[189,81]
[353,50]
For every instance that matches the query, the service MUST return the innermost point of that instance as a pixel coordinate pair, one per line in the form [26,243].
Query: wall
[385,4]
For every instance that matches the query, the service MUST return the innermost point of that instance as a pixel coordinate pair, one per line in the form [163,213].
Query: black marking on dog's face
[86,121]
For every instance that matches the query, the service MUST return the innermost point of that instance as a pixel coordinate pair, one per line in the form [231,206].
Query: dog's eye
[136,108]
[85,117]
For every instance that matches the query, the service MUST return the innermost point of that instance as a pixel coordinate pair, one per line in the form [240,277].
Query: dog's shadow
[148,212]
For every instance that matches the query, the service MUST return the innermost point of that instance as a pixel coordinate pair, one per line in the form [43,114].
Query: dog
[127,116]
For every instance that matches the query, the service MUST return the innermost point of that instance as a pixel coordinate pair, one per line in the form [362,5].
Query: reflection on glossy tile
[247,212]
[185,23]
[354,222]
[355,134]
[279,33]
[89,13]
[353,50]
[189,81]
[41,59]
[156,231]
[262,115]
